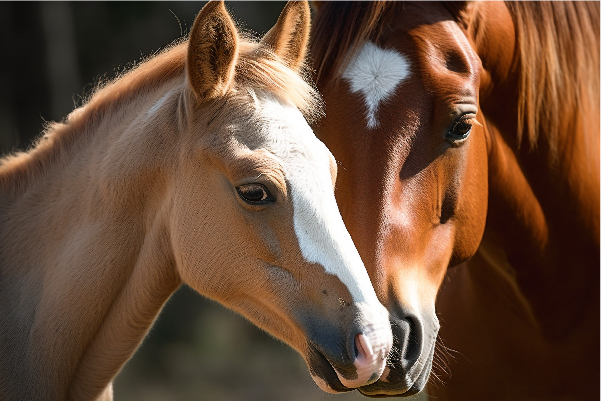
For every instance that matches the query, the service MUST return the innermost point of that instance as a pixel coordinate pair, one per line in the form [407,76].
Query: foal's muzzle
[341,362]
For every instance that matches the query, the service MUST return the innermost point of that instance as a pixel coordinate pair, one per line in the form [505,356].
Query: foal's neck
[85,256]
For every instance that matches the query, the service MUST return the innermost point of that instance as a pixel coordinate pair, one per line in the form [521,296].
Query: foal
[197,167]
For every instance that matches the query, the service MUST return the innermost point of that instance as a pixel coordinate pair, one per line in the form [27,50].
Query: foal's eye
[255,194]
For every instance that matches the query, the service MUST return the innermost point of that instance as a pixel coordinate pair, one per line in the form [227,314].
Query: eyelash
[453,137]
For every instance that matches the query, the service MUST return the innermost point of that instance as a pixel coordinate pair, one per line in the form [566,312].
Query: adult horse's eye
[461,130]
[255,194]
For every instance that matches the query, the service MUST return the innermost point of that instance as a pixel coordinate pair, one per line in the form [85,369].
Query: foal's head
[254,221]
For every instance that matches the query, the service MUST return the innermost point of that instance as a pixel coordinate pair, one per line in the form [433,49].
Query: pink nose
[364,351]
[369,364]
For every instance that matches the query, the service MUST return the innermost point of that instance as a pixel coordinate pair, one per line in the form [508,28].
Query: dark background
[51,55]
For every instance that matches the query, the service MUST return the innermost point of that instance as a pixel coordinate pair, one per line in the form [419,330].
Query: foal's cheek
[203,231]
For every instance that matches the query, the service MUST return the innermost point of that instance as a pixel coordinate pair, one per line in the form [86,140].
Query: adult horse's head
[403,121]
[254,223]
[406,87]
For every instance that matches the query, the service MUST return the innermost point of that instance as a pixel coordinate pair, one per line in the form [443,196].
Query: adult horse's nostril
[408,341]
[414,341]
[409,362]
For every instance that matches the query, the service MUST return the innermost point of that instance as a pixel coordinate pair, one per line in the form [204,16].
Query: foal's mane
[257,68]
[558,50]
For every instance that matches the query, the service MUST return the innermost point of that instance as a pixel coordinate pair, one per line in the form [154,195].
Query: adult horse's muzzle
[341,362]
[410,360]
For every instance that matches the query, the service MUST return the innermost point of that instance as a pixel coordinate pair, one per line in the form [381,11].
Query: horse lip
[326,371]
[411,383]
[341,367]
[382,389]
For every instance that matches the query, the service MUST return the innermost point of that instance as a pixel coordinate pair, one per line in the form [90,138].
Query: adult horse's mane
[559,62]
[557,56]
[257,67]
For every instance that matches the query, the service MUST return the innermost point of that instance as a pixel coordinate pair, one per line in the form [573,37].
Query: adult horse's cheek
[470,218]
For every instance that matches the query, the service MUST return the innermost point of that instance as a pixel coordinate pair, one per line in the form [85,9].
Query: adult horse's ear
[316,5]
[460,10]
[212,51]
[290,35]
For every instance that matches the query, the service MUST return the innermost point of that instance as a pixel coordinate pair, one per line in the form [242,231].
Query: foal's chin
[323,372]
[393,382]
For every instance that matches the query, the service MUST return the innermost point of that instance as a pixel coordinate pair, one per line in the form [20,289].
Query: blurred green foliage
[52,55]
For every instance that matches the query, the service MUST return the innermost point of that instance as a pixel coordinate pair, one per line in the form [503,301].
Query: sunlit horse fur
[471,130]
[196,167]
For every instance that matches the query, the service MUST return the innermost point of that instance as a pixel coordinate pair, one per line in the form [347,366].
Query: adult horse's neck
[85,255]
[544,202]
[543,224]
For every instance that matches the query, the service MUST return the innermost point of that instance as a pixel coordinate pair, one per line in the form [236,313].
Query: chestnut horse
[196,167]
[467,136]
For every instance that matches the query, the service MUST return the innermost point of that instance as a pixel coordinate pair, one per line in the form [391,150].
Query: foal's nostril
[368,362]
[360,358]
[364,353]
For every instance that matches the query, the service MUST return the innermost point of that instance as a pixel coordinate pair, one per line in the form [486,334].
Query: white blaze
[322,235]
[375,73]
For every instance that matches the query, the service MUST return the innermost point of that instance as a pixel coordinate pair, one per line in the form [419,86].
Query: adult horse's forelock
[340,29]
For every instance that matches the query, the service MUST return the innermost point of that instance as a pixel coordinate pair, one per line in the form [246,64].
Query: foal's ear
[290,35]
[212,51]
